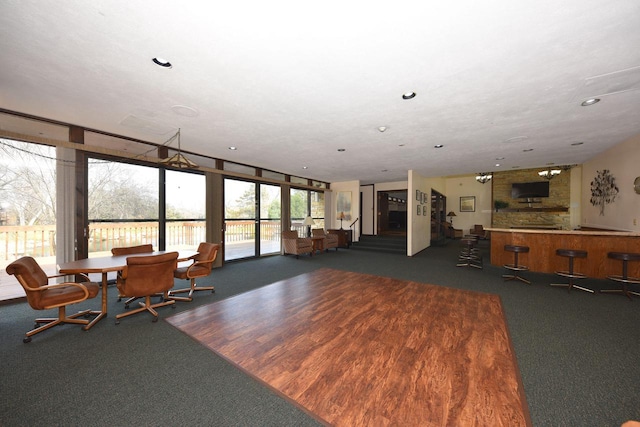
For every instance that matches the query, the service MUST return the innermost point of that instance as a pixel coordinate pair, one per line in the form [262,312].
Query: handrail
[354,222]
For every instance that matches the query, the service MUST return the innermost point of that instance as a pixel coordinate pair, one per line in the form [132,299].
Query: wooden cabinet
[344,237]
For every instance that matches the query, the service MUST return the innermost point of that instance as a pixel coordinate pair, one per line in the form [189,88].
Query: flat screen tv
[529,190]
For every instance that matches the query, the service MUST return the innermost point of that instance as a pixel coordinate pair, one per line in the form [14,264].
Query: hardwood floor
[354,349]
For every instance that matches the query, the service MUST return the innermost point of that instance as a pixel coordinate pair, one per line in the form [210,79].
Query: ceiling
[289,83]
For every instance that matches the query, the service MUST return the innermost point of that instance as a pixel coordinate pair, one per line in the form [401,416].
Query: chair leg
[194,287]
[145,306]
[50,322]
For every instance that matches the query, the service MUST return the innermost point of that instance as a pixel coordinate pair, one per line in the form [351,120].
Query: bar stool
[469,254]
[625,257]
[571,274]
[515,267]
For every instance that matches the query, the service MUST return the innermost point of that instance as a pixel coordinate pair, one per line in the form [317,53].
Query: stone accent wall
[559,197]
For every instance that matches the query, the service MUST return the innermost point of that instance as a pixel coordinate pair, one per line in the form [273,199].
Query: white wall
[354,188]
[623,161]
[419,226]
[463,186]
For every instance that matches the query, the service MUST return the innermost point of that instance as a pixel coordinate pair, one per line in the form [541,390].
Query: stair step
[389,244]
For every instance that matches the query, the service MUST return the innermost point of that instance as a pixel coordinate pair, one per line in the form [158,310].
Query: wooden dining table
[105,265]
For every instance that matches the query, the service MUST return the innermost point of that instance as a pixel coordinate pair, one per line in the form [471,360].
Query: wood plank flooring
[360,350]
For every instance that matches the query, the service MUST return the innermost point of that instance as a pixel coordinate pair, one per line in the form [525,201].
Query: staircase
[388,244]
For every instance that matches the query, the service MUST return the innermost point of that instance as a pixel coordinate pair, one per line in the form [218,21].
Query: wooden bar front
[542,244]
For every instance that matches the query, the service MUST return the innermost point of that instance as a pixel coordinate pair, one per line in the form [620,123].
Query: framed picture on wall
[468,204]
[419,196]
[424,210]
[419,210]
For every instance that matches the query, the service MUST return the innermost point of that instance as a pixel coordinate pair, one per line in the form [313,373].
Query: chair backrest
[147,275]
[128,250]
[290,234]
[317,232]
[31,277]
[478,228]
[207,252]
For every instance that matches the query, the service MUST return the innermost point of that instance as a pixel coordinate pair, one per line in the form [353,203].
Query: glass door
[252,219]
[240,219]
[270,214]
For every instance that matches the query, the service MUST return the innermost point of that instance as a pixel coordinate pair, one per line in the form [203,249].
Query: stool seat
[516,267]
[570,273]
[623,278]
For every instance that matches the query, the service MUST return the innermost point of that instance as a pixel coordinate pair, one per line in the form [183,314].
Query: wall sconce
[549,173]
[483,177]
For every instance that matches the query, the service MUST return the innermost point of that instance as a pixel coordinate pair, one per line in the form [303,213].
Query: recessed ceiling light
[384,170]
[342,149]
[382,128]
[590,101]
[497,164]
[577,143]
[515,167]
[161,62]
[305,167]
[233,148]
[499,158]
[408,95]
[401,145]
[526,150]
[550,163]
[438,146]
[515,139]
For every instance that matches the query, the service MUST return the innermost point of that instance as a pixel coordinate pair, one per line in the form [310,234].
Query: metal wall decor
[603,189]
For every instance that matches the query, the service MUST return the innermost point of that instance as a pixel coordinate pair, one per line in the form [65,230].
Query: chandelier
[549,173]
[483,177]
[178,160]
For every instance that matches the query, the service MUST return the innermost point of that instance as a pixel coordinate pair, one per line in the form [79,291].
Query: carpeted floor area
[577,352]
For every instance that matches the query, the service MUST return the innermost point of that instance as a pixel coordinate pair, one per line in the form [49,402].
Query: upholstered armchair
[201,265]
[145,276]
[43,296]
[330,239]
[479,231]
[295,245]
[130,250]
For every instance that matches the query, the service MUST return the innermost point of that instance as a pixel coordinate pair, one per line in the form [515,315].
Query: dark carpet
[577,352]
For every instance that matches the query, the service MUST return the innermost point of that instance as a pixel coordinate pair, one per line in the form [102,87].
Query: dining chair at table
[144,277]
[201,266]
[130,250]
[43,296]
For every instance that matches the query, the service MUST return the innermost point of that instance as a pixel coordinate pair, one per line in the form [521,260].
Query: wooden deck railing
[40,240]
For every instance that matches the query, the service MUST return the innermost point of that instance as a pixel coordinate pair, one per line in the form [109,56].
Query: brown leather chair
[43,296]
[129,250]
[478,230]
[145,276]
[200,267]
[295,245]
[330,240]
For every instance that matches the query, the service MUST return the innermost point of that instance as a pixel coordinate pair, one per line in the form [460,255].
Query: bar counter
[542,244]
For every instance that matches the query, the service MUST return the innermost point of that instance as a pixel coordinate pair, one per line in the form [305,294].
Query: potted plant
[500,204]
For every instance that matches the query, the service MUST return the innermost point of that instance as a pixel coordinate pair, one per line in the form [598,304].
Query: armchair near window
[295,245]
[130,250]
[144,276]
[330,239]
[43,296]
[201,266]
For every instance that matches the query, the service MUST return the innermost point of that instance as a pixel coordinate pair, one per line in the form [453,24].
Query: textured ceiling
[289,83]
